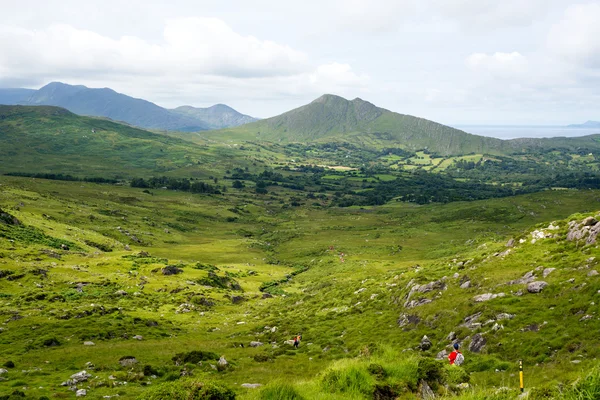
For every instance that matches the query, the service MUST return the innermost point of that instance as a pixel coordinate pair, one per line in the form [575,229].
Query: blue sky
[452,61]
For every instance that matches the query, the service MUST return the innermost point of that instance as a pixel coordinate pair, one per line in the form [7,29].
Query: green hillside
[334,119]
[51,139]
[92,276]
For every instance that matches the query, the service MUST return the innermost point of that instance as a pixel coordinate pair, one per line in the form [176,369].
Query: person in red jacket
[456,356]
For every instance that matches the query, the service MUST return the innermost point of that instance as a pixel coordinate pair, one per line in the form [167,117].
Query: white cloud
[576,37]
[502,65]
[337,76]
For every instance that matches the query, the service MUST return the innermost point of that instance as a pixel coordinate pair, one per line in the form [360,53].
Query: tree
[237,184]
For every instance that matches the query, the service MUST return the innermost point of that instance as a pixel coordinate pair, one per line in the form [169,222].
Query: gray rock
[3,371]
[426,392]
[81,393]
[510,243]
[250,385]
[222,361]
[487,296]
[138,337]
[127,361]
[502,316]
[477,343]
[547,272]
[81,376]
[89,343]
[442,355]
[425,343]
[592,273]
[416,303]
[255,344]
[589,221]
[497,327]
[586,317]
[436,285]
[121,293]
[451,336]
[406,319]
[466,285]
[536,287]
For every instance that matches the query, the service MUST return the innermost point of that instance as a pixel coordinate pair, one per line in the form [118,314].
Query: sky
[452,61]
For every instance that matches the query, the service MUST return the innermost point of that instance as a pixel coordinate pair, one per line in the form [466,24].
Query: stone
[576,361]
[267,296]
[451,336]
[527,278]
[477,343]
[456,275]
[81,376]
[121,293]
[255,344]
[442,355]
[497,327]
[171,270]
[589,221]
[416,303]
[547,272]
[487,296]
[88,343]
[237,299]
[3,371]
[126,247]
[465,285]
[360,290]
[592,273]
[426,392]
[510,243]
[250,385]
[425,343]
[81,393]
[435,285]
[586,317]
[502,316]
[138,337]
[536,287]
[406,319]
[127,361]
[222,362]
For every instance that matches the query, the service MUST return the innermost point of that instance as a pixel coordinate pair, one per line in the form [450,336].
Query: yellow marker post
[521,373]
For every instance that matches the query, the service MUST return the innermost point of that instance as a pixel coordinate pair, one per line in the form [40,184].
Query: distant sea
[525,131]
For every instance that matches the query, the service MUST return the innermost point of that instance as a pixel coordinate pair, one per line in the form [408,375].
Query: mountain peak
[328,98]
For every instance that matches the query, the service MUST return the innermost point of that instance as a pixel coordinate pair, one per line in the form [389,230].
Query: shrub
[431,371]
[194,357]
[9,364]
[279,391]
[188,390]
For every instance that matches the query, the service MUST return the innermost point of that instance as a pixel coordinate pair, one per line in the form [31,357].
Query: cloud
[336,76]
[576,37]
[500,65]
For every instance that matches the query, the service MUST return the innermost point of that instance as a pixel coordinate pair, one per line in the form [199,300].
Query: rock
[576,361]
[466,285]
[126,247]
[487,296]
[451,336]
[250,385]
[527,278]
[89,343]
[237,299]
[425,343]
[222,362]
[510,243]
[470,320]
[536,287]
[547,272]
[497,327]
[592,273]
[267,296]
[81,376]
[477,343]
[138,337]
[436,285]
[442,355]
[64,247]
[3,371]
[81,393]
[255,344]
[7,219]
[416,303]
[171,270]
[456,275]
[127,361]
[426,392]
[360,290]
[589,221]
[121,293]
[586,317]
[406,319]
[502,316]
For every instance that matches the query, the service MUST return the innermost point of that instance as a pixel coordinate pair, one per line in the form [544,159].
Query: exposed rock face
[487,296]
[477,343]
[536,287]
[426,392]
[425,343]
[588,228]
[406,319]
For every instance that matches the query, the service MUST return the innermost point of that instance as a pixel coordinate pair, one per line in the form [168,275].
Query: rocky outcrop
[406,319]
[487,296]
[536,287]
[527,278]
[425,344]
[587,229]
[477,343]
[171,270]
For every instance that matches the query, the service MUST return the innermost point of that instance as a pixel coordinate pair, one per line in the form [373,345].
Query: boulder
[435,285]
[442,355]
[589,221]
[81,376]
[222,361]
[465,285]
[89,343]
[250,385]
[536,287]
[81,393]
[502,316]
[255,344]
[547,272]
[3,371]
[171,270]
[138,337]
[510,243]
[592,273]
[426,392]
[487,296]
[121,293]
[127,361]
[406,319]
[425,343]
[477,343]
[451,336]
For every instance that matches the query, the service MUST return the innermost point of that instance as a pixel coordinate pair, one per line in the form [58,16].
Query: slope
[216,117]
[51,139]
[108,103]
[334,119]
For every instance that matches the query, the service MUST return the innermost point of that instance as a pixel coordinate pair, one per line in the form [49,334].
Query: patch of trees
[182,184]
[62,177]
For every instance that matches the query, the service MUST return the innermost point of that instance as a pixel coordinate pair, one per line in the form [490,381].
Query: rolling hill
[332,118]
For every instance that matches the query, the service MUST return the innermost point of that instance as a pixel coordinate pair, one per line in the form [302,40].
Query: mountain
[587,124]
[14,96]
[48,139]
[216,117]
[116,106]
[333,118]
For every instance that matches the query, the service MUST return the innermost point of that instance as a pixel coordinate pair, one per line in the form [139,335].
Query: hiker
[297,339]
[456,357]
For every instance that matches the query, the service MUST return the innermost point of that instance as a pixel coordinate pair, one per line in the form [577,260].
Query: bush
[194,357]
[431,371]
[9,364]
[189,390]
[456,375]
[279,391]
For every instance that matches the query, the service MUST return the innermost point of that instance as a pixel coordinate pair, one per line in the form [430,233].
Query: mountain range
[587,124]
[119,107]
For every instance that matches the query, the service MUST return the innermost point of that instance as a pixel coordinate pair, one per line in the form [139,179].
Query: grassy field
[341,277]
